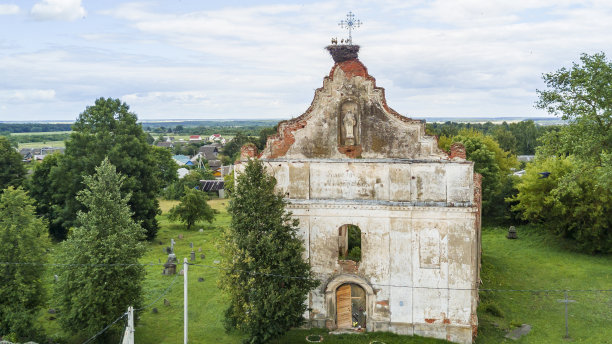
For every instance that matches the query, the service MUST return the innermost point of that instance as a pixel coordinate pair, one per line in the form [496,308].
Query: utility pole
[128,336]
[185,300]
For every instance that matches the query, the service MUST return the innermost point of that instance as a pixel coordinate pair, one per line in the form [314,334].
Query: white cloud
[6,9]
[63,10]
[187,97]
[435,58]
[26,95]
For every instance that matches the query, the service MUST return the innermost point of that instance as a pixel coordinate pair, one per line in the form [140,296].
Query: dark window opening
[349,243]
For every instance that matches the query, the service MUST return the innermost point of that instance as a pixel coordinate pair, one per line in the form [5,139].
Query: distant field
[186,137]
[41,144]
[42,133]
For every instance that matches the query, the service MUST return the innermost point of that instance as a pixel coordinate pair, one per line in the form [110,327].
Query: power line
[255,273]
[249,272]
[160,296]
[104,329]
[81,264]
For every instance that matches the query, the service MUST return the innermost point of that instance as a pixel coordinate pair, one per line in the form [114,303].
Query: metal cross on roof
[350,23]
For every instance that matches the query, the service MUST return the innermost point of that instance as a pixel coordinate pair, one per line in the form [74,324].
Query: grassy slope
[539,261]
[206,303]
[532,262]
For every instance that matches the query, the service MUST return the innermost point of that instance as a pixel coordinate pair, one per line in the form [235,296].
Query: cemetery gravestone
[512,233]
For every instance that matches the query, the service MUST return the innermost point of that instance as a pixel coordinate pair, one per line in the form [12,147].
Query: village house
[182,160]
[165,144]
[217,138]
[195,138]
[390,222]
[33,154]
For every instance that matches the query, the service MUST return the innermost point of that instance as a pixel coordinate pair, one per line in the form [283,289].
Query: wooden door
[343,306]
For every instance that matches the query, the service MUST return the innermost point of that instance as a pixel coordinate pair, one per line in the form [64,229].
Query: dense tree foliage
[583,96]
[33,127]
[23,238]
[207,128]
[232,148]
[494,164]
[165,169]
[176,189]
[575,199]
[263,136]
[93,292]
[190,148]
[193,208]
[16,139]
[519,138]
[12,172]
[108,129]
[228,184]
[231,151]
[262,251]
[48,203]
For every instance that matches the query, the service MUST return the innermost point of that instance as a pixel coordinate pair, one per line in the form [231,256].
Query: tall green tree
[494,164]
[527,134]
[42,188]
[165,169]
[23,238]
[505,139]
[191,180]
[582,95]
[193,208]
[232,148]
[109,129]
[102,277]
[12,171]
[267,279]
[574,200]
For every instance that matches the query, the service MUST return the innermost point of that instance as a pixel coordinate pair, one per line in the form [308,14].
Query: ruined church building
[390,222]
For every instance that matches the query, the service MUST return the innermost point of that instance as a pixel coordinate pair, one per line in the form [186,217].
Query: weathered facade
[352,160]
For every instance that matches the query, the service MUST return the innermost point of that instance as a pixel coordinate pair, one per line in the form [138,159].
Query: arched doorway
[351,307]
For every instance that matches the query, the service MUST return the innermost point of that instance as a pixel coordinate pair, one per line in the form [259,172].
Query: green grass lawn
[534,261]
[542,262]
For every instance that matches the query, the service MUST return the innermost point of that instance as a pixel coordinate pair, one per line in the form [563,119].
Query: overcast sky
[183,59]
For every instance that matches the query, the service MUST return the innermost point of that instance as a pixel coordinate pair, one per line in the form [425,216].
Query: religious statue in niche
[349,129]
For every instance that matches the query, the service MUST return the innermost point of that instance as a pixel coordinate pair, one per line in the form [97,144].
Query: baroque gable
[349,118]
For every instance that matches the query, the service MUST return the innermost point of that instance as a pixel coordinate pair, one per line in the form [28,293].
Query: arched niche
[349,118]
